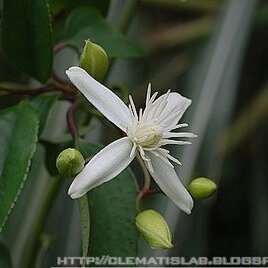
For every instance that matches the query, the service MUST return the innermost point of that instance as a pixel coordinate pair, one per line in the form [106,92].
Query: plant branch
[66,89]
[70,117]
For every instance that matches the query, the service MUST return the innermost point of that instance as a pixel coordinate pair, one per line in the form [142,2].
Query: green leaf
[87,23]
[27,36]
[42,105]
[5,258]
[58,6]
[112,213]
[85,223]
[19,131]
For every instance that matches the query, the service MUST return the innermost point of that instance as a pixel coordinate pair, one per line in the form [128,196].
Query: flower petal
[108,103]
[174,110]
[167,179]
[104,166]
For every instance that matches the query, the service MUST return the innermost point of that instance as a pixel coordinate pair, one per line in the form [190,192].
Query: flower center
[146,135]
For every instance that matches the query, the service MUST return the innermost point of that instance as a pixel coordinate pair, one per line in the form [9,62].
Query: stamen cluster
[148,131]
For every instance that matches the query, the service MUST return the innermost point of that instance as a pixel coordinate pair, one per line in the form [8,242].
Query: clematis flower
[147,131]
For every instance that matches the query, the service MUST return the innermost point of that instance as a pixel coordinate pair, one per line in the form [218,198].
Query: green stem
[85,223]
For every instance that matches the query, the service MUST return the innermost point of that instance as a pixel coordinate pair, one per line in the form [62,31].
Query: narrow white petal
[167,141]
[167,179]
[108,103]
[133,107]
[175,108]
[176,127]
[149,90]
[104,166]
[179,135]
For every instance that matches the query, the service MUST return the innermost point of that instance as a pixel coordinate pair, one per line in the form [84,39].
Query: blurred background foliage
[212,51]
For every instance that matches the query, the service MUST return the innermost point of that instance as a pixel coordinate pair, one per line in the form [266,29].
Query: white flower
[147,131]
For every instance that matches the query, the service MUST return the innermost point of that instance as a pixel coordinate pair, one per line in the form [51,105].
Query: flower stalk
[146,185]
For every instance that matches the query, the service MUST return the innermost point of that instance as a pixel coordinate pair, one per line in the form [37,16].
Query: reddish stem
[36,91]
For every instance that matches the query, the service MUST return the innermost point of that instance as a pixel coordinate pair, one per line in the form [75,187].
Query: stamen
[177,126]
[140,114]
[179,135]
[133,150]
[149,149]
[164,151]
[173,159]
[142,153]
[164,158]
[149,107]
[166,142]
[153,97]
[162,104]
[133,107]
[133,118]
[148,96]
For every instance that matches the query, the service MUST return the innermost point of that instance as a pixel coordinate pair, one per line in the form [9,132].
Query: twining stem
[72,124]
[58,47]
[146,185]
[37,91]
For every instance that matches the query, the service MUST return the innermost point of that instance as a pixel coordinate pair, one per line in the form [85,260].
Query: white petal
[108,103]
[104,166]
[174,110]
[168,135]
[168,181]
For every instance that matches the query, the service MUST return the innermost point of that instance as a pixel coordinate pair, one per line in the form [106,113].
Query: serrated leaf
[27,36]
[19,131]
[87,23]
[112,212]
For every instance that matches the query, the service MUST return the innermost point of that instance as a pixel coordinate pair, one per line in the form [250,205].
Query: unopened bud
[94,60]
[70,162]
[202,187]
[154,228]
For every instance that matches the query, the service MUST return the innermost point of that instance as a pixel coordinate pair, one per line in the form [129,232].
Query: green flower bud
[70,162]
[202,187]
[154,228]
[94,60]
